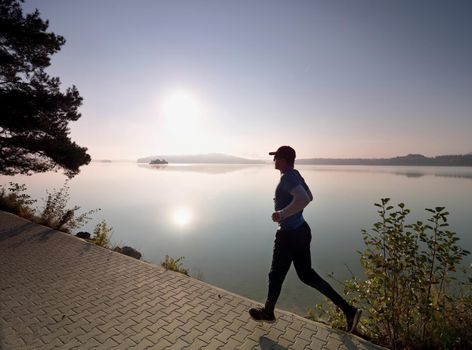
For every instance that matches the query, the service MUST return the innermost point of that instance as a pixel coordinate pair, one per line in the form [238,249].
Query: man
[292,242]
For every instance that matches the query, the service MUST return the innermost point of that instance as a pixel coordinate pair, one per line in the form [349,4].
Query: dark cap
[285,152]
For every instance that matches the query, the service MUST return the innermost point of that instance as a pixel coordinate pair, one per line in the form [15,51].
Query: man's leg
[281,260]
[302,263]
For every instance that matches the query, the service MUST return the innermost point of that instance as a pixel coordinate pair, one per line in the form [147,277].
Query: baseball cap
[285,152]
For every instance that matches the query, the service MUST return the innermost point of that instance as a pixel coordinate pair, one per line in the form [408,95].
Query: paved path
[58,291]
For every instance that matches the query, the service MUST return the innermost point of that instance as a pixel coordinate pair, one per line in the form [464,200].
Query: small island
[158,161]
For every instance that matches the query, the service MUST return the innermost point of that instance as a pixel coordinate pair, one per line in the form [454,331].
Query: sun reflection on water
[182,216]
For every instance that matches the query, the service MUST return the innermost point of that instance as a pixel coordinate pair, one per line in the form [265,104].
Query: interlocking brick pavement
[58,291]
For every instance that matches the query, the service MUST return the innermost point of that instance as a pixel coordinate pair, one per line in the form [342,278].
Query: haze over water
[218,216]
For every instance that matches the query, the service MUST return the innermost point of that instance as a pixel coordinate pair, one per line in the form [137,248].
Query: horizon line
[268,158]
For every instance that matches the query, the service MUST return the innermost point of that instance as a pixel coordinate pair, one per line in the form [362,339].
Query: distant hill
[411,159]
[216,158]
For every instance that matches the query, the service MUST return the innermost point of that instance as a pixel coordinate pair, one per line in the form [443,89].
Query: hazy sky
[331,78]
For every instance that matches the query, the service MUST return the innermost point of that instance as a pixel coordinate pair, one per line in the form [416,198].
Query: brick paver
[58,291]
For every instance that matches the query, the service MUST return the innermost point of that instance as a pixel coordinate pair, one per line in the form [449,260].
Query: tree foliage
[34,132]
[56,213]
[412,295]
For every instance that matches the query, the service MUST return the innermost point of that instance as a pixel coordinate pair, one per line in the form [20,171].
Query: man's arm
[309,193]
[300,200]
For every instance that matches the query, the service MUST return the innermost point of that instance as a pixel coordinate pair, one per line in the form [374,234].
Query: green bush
[174,265]
[14,200]
[55,213]
[412,296]
[102,234]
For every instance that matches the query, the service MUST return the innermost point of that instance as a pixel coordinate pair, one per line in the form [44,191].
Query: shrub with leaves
[55,213]
[102,234]
[412,295]
[14,199]
[174,265]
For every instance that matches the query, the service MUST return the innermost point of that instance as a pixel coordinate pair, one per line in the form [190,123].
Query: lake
[219,216]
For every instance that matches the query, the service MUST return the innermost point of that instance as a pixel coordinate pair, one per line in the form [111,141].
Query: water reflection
[407,171]
[202,168]
[182,216]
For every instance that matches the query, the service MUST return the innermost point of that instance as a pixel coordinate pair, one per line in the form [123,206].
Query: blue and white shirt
[288,181]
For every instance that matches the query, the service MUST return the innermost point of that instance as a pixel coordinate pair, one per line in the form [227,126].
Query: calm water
[218,216]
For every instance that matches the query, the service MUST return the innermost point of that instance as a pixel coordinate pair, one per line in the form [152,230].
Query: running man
[292,242]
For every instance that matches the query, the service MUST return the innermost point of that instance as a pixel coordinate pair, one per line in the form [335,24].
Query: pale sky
[330,78]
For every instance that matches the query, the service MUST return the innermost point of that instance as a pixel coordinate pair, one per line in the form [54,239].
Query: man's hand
[276,216]
[300,200]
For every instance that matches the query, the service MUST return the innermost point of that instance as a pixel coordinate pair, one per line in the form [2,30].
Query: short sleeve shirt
[288,181]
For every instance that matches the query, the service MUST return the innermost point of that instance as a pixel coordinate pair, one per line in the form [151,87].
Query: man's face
[280,163]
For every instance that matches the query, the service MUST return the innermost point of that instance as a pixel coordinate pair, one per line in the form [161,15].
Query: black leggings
[294,245]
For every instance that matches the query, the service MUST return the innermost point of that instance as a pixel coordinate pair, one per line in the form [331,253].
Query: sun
[180,111]
[183,124]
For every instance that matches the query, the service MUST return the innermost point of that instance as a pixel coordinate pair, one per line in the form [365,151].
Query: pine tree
[34,113]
